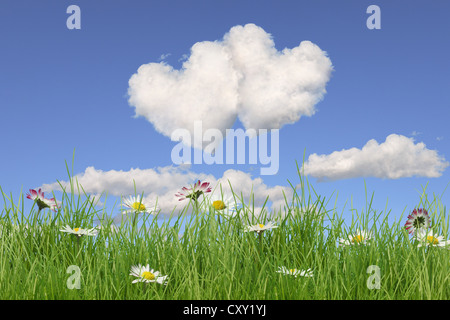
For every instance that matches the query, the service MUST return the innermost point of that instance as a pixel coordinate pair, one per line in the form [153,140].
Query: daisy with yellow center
[361,237]
[431,239]
[219,205]
[145,274]
[295,272]
[79,231]
[135,204]
[258,228]
[224,205]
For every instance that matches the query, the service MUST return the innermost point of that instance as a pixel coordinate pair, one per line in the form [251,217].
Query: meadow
[215,250]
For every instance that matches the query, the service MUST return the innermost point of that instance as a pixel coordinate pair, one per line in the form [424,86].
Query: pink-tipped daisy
[195,192]
[41,201]
[418,219]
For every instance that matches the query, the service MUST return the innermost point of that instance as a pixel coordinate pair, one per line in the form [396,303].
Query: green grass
[215,258]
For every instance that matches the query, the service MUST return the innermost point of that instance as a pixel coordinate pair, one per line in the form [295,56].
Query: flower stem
[196,207]
[135,219]
[260,244]
[78,247]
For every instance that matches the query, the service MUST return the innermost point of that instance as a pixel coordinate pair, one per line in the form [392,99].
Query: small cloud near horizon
[397,157]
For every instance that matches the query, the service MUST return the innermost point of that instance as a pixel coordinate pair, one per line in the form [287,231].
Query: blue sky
[64,90]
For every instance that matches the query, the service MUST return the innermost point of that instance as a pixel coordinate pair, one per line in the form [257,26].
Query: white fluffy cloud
[276,88]
[243,75]
[397,157]
[161,184]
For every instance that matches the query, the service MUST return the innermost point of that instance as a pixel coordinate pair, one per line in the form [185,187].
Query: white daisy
[261,227]
[361,237]
[79,231]
[295,272]
[145,274]
[431,239]
[138,205]
[225,205]
[221,204]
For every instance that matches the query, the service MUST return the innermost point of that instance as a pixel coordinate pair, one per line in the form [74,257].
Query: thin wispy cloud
[241,76]
[164,56]
[397,157]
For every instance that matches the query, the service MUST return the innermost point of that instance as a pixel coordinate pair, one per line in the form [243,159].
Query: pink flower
[417,220]
[195,192]
[35,194]
[41,201]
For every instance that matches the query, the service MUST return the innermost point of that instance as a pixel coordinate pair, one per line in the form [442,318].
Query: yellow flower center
[261,225]
[219,205]
[148,275]
[292,270]
[432,240]
[138,206]
[76,229]
[357,239]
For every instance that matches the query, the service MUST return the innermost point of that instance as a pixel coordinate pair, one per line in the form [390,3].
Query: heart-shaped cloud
[243,76]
